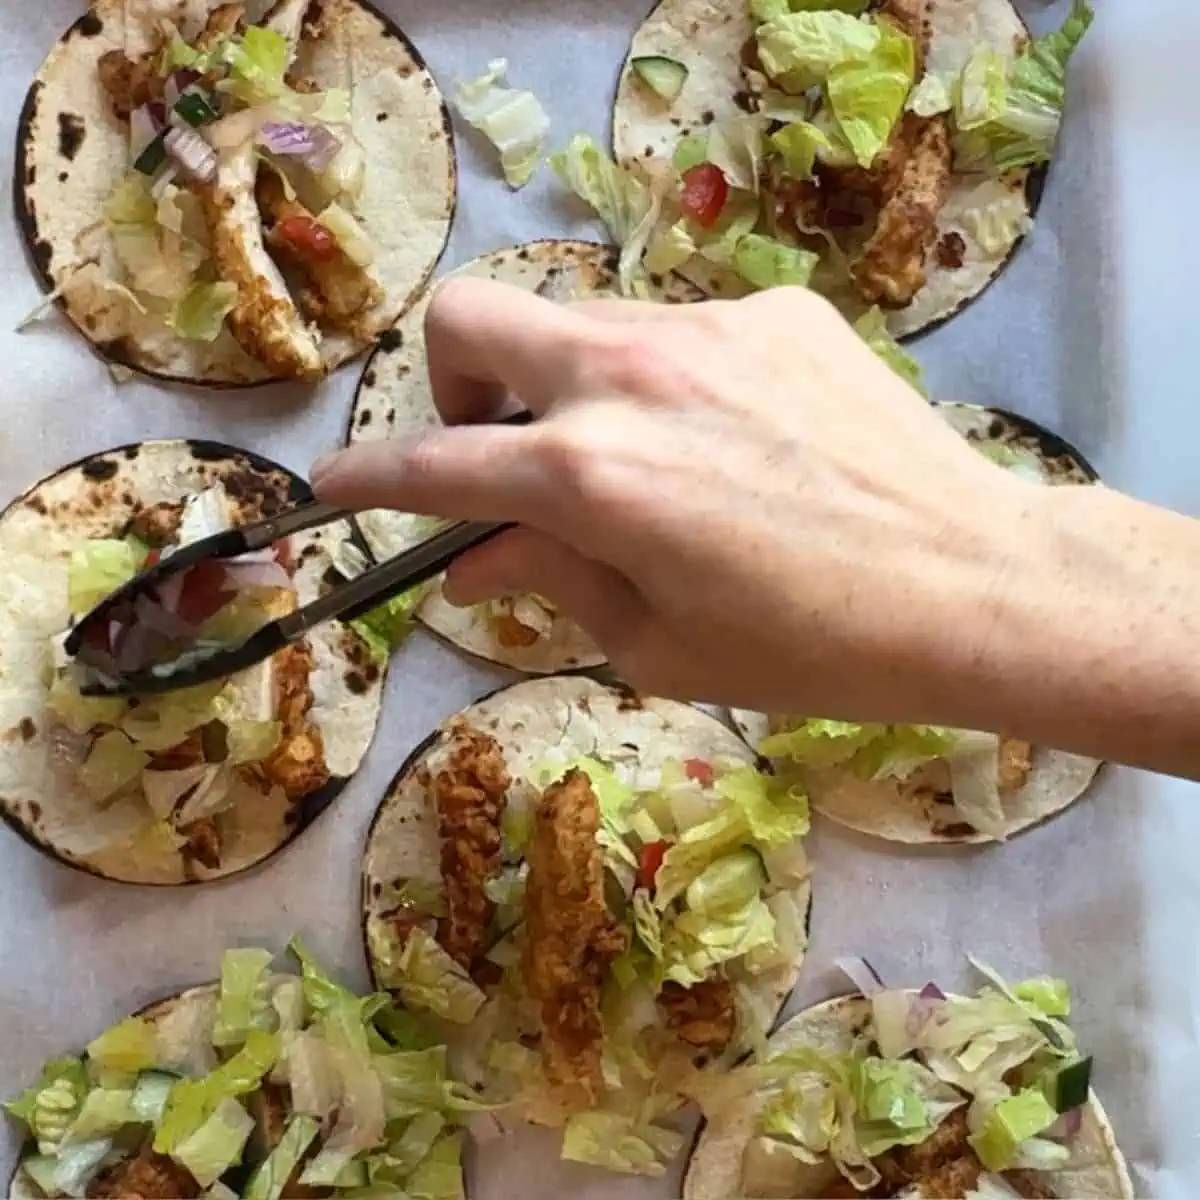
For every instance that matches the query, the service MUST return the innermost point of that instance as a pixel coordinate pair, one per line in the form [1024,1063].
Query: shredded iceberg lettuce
[513,121]
[867,94]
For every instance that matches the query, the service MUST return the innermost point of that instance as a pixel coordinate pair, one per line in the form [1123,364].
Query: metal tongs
[346,602]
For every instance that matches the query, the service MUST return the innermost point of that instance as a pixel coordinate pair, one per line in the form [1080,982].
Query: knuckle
[634,363]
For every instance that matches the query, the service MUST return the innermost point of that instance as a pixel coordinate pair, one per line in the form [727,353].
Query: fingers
[487,341]
[484,472]
[596,597]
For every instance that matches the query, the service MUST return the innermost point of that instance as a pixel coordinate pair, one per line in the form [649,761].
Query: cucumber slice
[663,76]
[153,157]
[194,108]
[1071,1086]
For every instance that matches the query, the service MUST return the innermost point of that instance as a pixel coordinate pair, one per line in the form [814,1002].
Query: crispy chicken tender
[337,290]
[1029,1184]
[891,268]
[265,319]
[158,524]
[298,763]
[910,1164]
[470,793]
[704,1015]
[571,937]
[224,21]
[145,1176]
[270,1109]
[203,842]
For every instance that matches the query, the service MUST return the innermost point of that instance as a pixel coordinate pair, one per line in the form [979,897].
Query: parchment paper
[1087,331]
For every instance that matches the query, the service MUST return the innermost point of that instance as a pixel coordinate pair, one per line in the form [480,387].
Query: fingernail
[322,466]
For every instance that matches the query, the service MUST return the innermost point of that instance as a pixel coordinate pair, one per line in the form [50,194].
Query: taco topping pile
[602,928]
[938,1096]
[166,768]
[266,1087]
[238,204]
[836,168]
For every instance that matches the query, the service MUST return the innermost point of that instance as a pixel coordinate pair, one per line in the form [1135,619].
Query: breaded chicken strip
[703,1015]
[571,937]
[145,1176]
[298,763]
[338,291]
[891,268]
[470,793]
[265,319]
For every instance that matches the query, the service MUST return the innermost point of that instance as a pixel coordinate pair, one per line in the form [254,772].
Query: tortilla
[98,497]
[394,398]
[71,151]
[707,38]
[571,716]
[885,808]
[715,1169]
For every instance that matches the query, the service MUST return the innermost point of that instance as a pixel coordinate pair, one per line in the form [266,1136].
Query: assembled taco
[924,783]
[914,1094]
[527,633]
[196,784]
[601,896]
[887,154]
[225,203]
[264,1085]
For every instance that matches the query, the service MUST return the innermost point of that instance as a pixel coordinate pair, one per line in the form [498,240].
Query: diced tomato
[704,193]
[152,559]
[204,592]
[307,237]
[652,857]
[699,771]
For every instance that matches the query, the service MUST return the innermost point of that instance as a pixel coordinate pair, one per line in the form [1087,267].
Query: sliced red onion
[1067,1127]
[327,149]
[862,975]
[170,591]
[258,574]
[287,137]
[921,1012]
[151,613]
[194,155]
[931,991]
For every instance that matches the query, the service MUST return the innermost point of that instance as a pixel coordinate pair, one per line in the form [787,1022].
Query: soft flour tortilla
[97,498]
[570,716]
[394,398]
[71,150]
[715,1169]
[707,37]
[888,809]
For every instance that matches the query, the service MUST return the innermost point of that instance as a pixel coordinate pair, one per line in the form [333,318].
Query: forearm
[1090,640]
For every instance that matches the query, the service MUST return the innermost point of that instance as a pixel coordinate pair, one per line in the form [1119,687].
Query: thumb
[599,599]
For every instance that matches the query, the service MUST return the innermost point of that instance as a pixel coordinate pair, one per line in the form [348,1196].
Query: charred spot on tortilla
[100,469]
[27,729]
[390,339]
[950,251]
[71,133]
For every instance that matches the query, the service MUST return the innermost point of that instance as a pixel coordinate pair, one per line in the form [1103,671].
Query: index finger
[487,342]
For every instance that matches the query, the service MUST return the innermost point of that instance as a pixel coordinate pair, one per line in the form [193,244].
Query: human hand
[737,500]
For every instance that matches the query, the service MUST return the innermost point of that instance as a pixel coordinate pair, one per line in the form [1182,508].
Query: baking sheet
[1079,333]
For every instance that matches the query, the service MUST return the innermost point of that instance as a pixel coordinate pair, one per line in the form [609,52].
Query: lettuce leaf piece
[870,751]
[1050,996]
[695,942]
[199,314]
[160,722]
[728,885]
[690,151]
[618,197]
[258,62]
[1024,132]
[158,260]
[867,94]
[439,1175]
[736,146]
[244,1001]
[872,328]
[217,1144]
[621,1143]
[933,95]
[513,121]
[797,144]
[193,1102]
[982,89]
[426,977]
[96,569]
[361,1117]
[271,1177]
[80,713]
[766,262]
[112,764]
[975,782]
[996,217]
[669,249]
[127,1048]
[1013,1121]
[105,1111]
[385,628]
[800,50]
[51,1105]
